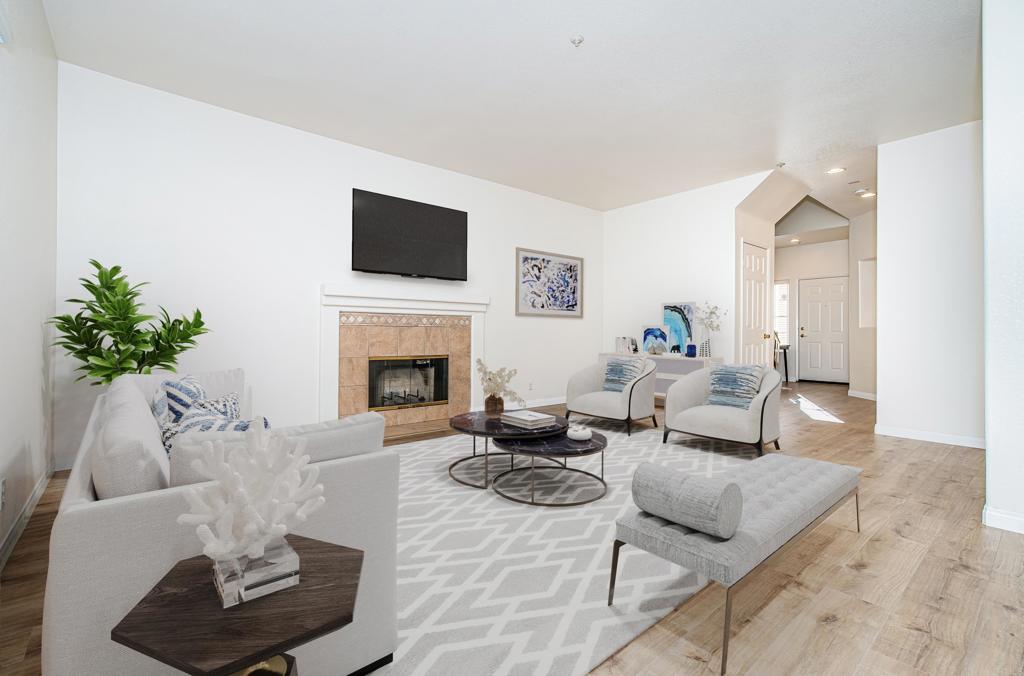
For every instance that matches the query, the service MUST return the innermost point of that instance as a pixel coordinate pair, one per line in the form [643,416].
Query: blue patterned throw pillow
[621,371]
[734,385]
[175,397]
[200,420]
[226,406]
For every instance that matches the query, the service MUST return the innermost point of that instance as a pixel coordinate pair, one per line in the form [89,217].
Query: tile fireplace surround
[362,335]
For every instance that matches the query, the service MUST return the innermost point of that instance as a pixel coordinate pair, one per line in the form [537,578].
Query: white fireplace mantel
[336,298]
[343,298]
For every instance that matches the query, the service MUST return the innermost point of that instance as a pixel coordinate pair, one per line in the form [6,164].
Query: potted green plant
[112,336]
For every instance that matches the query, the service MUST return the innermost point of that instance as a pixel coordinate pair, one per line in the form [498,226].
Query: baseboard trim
[935,437]
[862,395]
[530,403]
[1003,519]
[550,401]
[18,527]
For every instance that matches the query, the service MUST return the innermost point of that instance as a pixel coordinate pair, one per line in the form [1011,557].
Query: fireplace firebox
[406,382]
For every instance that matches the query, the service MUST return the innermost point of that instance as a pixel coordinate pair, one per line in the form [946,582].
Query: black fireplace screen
[402,382]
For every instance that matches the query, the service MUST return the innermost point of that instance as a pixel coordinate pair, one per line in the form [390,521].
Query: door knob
[767,336]
[803,335]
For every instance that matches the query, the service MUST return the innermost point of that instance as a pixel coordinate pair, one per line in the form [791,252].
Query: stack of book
[530,420]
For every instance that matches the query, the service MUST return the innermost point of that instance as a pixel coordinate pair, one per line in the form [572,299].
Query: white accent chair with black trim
[585,395]
[687,411]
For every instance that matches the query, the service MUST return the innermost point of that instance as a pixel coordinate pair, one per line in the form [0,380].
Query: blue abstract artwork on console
[548,284]
[655,340]
[678,319]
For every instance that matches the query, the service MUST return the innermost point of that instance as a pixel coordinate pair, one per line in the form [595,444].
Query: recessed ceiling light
[867,194]
[858,191]
[836,170]
[576,40]
[795,240]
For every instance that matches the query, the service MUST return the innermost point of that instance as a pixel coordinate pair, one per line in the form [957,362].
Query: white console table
[670,367]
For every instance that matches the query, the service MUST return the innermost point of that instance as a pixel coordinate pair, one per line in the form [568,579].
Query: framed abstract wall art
[548,284]
[655,340]
[678,319]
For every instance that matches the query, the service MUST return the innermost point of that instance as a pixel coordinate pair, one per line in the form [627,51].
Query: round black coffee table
[489,426]
[558,448]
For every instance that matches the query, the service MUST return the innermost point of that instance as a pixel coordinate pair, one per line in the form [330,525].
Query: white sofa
[686,411]
[106,554]
[585,395]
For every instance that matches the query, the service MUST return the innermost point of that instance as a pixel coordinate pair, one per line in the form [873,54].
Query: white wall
[756,219]
[28,201]
[807,261]
[676,248]
[1003,98]
[930,365]
[245,219]
[862,339]
[808,216]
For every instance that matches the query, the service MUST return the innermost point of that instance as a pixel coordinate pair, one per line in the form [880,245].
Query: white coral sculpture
[262,491]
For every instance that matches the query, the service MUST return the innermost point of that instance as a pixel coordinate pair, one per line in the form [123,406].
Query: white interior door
[755,319]
[824,329]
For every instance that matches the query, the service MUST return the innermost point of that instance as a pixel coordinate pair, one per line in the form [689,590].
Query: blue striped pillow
[175,397]
[734,385]
[621,371]
[199,420]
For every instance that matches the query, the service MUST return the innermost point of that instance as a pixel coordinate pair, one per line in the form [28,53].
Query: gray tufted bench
[783,497]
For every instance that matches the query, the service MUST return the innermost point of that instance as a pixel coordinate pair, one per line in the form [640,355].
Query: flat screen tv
[401,237]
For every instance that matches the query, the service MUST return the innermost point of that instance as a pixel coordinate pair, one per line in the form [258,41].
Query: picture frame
[654,335]
[678,320]
[548,284]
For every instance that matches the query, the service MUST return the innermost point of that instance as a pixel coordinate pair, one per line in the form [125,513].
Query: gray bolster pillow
[706,504]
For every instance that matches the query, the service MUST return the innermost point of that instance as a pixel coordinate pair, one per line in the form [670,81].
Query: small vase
[494,405]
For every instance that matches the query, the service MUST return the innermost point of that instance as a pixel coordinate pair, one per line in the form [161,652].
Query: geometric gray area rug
[490,586]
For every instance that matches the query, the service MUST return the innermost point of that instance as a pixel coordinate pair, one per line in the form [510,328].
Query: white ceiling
[836,191]
[663,95]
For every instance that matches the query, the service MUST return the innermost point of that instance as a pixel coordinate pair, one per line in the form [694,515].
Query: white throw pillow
[354,435]
[129,457]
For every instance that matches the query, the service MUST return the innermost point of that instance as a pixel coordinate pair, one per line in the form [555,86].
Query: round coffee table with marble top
[489,426]
[558,448]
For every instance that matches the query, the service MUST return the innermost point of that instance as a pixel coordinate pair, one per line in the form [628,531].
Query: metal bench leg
[856,506]
[726,631]
[615,568]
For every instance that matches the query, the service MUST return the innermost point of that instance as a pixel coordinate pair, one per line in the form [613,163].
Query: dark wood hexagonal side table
[180,622]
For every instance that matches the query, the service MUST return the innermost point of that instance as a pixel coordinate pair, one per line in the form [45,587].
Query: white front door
[824,333]
[755,331]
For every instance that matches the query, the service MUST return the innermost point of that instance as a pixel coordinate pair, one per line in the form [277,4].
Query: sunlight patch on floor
[813,411]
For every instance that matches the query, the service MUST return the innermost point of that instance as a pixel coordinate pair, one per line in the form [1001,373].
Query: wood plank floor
[924,588]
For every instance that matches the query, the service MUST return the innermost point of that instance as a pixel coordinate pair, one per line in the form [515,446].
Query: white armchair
[585,395]
[687,412]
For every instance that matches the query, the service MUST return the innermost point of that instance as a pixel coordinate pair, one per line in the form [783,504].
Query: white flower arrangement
[496,383]
[710,316]
[262,491]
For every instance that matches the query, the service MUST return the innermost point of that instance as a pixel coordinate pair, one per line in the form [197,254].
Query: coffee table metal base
[486,455]
[558,467]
